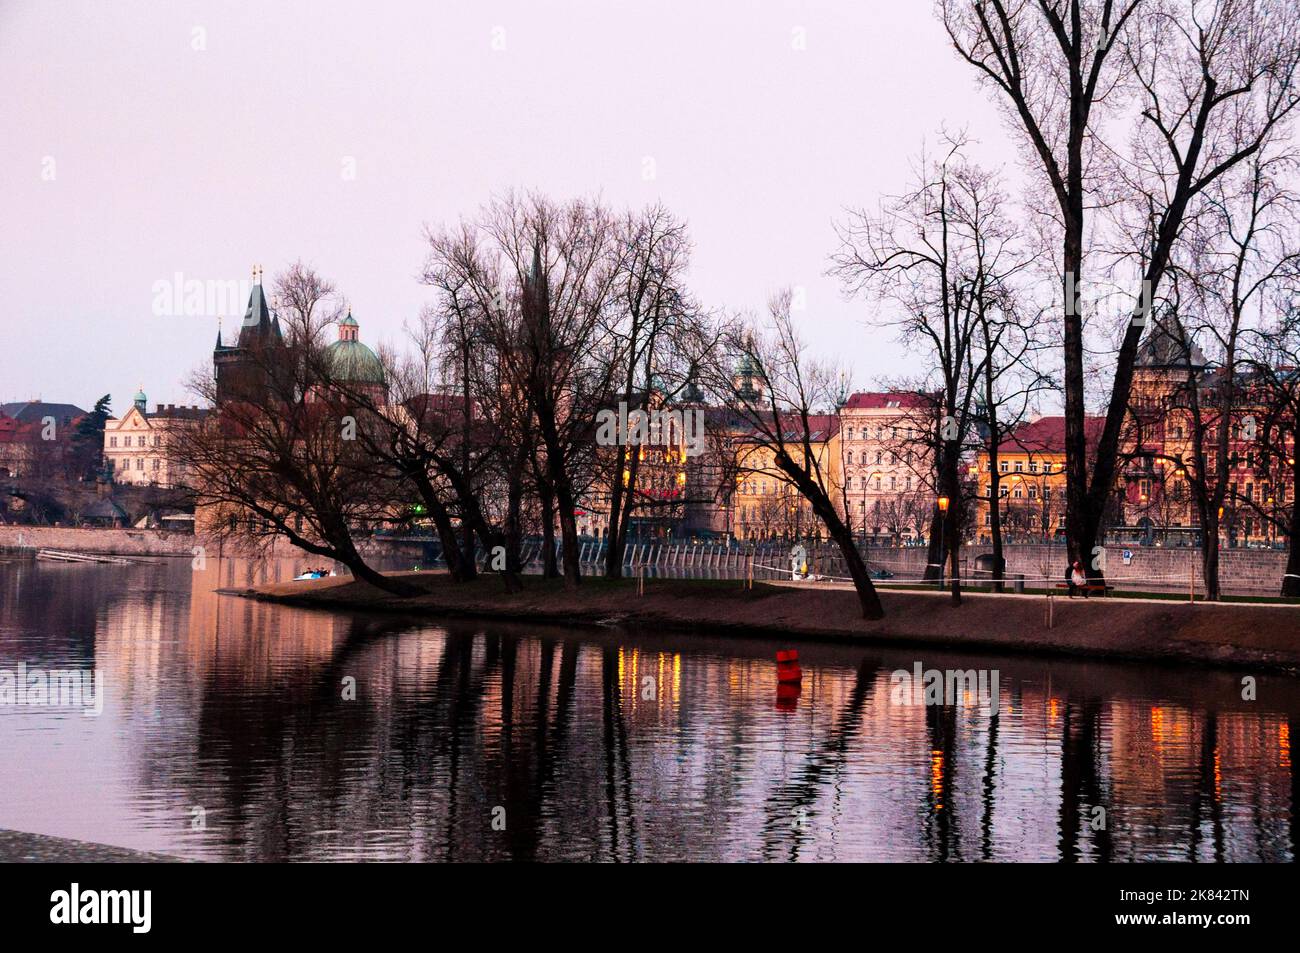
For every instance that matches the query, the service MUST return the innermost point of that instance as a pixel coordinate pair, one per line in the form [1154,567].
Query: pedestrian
[1077,579]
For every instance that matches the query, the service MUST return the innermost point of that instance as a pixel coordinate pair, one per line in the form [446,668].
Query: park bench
[1090,587]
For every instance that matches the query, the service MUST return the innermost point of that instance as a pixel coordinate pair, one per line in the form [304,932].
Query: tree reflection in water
[605,745]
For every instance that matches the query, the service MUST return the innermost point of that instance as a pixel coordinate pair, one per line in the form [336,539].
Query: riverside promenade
[1252,635]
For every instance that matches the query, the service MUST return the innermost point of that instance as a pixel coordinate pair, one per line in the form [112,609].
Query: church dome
[352,361]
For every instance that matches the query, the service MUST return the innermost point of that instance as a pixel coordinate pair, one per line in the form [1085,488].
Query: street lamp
[943,504]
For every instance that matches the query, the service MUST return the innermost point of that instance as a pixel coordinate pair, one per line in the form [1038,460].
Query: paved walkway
[18,847]
[1166,598]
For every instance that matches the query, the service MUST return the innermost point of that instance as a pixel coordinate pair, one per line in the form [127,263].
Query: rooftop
[888,400]
[33,411]
[1047,435]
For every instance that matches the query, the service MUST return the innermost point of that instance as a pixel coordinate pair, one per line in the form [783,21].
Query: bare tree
[1206,84]
[538,276]
[648,307]
[1275,369]
[941,258]
[273,460]
[1244,248]
[781,398]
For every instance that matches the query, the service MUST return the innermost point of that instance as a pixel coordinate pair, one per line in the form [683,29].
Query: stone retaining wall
[1240,570]
[117,542]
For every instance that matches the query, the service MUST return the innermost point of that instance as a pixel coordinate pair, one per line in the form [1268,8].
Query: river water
[229,731]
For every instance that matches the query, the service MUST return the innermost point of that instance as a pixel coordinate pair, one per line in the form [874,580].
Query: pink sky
[167,158]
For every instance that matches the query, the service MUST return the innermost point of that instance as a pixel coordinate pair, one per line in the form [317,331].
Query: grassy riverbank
[1241,634]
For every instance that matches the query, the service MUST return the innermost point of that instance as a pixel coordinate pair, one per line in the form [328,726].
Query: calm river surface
[225,735]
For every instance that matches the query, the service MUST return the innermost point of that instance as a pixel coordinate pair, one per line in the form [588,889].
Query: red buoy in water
[787,666]
[787,696]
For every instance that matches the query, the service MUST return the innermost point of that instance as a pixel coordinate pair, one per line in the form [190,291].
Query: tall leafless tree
[784,401]
[941,260]
[1204,83]
[538,276]
[275,461]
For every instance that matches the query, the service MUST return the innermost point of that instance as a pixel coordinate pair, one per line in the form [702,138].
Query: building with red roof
[1031,479]
[886,443]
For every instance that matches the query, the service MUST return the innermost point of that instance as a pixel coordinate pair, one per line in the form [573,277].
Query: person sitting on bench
[1076,579]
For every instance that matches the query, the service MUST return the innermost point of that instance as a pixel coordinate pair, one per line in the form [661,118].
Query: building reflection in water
[487,741]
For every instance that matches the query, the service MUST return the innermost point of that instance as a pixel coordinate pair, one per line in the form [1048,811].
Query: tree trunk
[458,567]
[952,522]
[362,571]
[1291,581]
[995,477]
[1210,559]
[934,549]
[838,530]
[568,536]
[995,527]
[613,542]
[338,545]
[514,530]
[549,570]
[868,597]
[1090,555]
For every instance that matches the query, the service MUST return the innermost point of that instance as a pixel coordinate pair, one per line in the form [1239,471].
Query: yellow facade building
[765,506]
[1031,481]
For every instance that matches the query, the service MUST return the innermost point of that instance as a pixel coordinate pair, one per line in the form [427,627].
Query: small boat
[313,574]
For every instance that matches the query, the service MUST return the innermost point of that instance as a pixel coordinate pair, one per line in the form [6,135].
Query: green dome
[353,361]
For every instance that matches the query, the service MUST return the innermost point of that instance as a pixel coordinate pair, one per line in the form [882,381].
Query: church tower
[242,369]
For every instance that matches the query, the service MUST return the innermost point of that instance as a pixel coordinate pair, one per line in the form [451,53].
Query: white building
[136,445]
[885,442]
